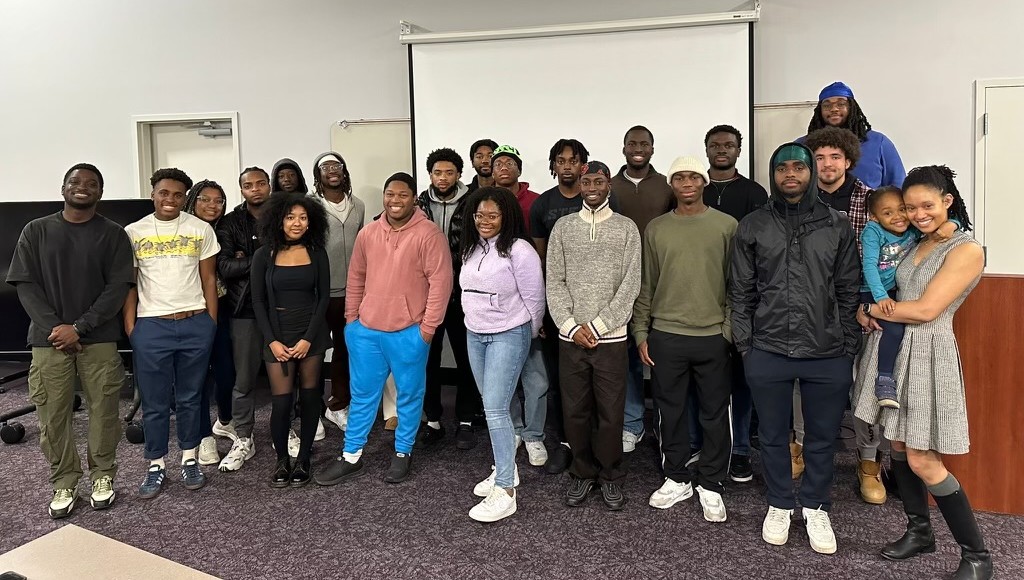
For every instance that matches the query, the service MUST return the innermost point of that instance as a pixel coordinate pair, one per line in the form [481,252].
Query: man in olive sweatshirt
[593,276]
[682,330]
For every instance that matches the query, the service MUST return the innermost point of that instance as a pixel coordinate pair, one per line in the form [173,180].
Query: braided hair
[940,178]
[578,151]
[856,121]
[347,183]
[193,197]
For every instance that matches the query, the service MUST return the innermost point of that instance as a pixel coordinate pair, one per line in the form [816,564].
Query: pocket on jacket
[476,302]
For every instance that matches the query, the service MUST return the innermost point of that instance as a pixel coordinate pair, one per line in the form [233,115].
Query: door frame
[980,144]
[141,140]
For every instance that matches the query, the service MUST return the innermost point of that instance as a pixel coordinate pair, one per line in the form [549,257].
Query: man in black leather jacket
[238,235]
[794,275]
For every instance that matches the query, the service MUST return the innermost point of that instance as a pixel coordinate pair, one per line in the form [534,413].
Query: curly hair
[171,173]
[193,197]
[724,129]
[835,137]
[513,226]
[856,121]
[86,166]
[941,179]
[444,154]
[272,221]
[578,150]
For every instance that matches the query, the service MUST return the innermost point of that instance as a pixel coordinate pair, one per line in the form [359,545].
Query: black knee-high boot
[310,400]
[918,538]
[280,417]
[975,560]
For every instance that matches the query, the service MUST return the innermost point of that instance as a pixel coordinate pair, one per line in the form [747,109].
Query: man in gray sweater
[593,275]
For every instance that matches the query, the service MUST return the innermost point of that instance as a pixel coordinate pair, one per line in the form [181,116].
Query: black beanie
[404,178]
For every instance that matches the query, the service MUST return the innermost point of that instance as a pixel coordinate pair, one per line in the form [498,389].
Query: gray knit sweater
[593,269]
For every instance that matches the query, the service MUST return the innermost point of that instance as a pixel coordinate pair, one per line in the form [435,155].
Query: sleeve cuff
[568,328]
[599,327]
[640,336]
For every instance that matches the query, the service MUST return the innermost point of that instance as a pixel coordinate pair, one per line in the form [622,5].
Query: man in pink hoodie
[399,282]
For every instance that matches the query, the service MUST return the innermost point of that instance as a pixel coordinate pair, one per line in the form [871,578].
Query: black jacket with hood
[237,232]
[275,185]
[794,278]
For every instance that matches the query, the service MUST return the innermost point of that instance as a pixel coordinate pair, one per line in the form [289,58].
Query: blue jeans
[742,410]
[530,416]
[171,359]
[222,366]
[372,356]
[497,360]
[635,408]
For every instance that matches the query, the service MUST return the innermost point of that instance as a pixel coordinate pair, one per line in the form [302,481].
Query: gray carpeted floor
[239,527]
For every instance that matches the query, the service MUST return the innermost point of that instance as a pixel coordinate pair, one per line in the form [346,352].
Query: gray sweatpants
[247,347]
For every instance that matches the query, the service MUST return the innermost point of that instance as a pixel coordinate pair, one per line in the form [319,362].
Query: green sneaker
[62,503]
[102,493]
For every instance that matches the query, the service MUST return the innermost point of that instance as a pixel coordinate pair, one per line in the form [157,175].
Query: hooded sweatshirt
[401,277]
[345,220]
[794,278]
[442,210]
[275,185]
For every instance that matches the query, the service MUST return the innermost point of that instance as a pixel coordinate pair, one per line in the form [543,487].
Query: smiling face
[487,219]
[82,189]
[832,165]
[835,110]
[210,204]
[168,198]
[399,201]
[927,207]
[595,188]
[890,213]
[296,223]
[638,147]
[688,187]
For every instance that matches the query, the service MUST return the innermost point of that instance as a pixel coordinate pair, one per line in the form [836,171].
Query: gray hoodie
[341,239]
[441,211]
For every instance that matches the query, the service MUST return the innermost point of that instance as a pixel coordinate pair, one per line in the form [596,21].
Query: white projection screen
[531,92]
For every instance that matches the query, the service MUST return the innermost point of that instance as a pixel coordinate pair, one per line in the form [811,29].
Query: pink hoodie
[398,278]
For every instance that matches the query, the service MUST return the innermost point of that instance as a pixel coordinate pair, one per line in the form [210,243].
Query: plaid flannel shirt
[859,208]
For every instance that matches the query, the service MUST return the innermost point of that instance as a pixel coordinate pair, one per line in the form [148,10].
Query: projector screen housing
[530,92]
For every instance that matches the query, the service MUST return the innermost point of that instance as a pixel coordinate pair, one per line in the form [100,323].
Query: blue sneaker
[154,482]
[885,392]
[191,475]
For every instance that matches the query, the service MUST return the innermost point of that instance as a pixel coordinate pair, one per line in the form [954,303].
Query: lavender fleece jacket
[500,293]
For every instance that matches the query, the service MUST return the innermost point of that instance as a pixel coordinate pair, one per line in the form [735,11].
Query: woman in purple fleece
[503,297]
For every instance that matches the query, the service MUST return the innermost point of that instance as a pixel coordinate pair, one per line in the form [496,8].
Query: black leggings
[282,383]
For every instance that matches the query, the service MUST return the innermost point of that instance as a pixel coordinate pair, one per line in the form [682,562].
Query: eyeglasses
[331,167]
[487,217]
[840,104]
[506,164]
[213,200]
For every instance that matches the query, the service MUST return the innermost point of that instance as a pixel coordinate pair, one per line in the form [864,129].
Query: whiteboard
[775,124]
[373,150]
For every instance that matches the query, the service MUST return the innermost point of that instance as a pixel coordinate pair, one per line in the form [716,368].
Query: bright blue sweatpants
[372,355]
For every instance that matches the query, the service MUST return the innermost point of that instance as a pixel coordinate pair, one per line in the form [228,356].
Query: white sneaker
[497,505]
[208,454]
[242,450]
[102,493]
[62,503]
[630,440]
[537,453]
[819,531]
[339,418]
[320,431]
[293,444]
[714,507]
[485,487]
[222,430]
[670,493]
[775,529]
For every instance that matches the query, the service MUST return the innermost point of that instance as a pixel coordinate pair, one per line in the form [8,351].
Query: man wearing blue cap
[880,163]
[794,284]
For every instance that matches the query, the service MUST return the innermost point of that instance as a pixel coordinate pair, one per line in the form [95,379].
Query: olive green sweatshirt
[685,270]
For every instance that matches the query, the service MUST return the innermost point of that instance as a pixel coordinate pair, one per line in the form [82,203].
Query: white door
[774,125]
[373,151]
[998,227]
[173,145]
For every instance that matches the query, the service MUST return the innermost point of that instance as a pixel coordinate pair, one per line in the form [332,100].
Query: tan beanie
[688,164]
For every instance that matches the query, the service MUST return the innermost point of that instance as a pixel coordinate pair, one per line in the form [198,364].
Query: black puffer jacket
[794,278]
[237,232]
[454,232]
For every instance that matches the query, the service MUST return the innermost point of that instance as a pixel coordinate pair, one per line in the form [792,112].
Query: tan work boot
[870,475]
[796,451]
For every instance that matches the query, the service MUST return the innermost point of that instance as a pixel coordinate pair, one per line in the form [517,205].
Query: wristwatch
[75,326]
[866,308]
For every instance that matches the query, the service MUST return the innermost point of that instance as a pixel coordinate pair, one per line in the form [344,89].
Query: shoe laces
[818,522]
[63,494]
[238,449]
[710,498]
[494,499]
[102,485]
[154,476]
[190,470]
[611,489]
[778,518]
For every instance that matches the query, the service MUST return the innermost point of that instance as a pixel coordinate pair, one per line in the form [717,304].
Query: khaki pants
[51,384]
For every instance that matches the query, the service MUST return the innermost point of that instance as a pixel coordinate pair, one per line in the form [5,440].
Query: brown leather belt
[182,315]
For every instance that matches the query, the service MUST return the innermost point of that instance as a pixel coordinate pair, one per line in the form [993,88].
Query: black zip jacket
[794,278]
[454,235]
[237,232]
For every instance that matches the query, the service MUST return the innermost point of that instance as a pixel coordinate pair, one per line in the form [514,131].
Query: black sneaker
[559,459]
[429,437]
[739,469]
[611,493]
[300,474]
[282,474]
[339,471]
[465,437]
[579,489]
[191,475]
[399,470]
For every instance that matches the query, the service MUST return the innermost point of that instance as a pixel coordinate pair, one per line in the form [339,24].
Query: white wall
[73,73]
